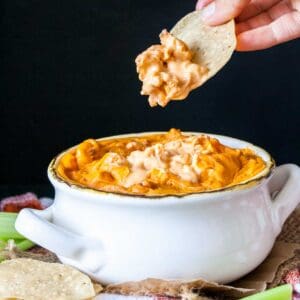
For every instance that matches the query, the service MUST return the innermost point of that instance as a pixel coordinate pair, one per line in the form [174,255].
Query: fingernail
[200,4]
[208,11]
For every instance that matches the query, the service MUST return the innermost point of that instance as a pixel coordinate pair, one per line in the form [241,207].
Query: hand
[260,24]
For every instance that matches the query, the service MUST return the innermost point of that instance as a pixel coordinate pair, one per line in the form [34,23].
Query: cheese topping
[160,164]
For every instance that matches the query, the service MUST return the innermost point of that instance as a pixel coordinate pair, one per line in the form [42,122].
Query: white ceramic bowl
[219,236]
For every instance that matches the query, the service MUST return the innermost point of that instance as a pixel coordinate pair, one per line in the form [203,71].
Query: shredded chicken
[167,71]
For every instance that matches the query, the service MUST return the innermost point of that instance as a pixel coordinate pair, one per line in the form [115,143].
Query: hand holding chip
[260,24]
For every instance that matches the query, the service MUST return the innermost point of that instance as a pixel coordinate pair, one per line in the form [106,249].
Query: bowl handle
[284,189]
[36,226]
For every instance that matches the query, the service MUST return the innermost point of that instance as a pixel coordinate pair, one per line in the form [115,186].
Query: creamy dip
[167,71]
[160,164]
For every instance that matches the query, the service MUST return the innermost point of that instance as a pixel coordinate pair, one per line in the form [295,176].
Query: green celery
[2,244]
[7,226]
[283,292]
[24,244]
[8,232]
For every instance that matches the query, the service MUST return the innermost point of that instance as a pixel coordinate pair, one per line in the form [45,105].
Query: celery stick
[283,292]
[8,215]
[21,244]
[24,245]
[2,244]
[7,226]
[8,231]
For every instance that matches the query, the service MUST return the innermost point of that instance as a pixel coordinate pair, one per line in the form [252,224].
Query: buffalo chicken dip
[170,163]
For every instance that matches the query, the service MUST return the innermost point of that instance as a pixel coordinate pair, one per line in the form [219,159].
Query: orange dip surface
[160,164]
[167,71]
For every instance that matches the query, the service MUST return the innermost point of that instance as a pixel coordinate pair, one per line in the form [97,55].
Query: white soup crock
[219,236]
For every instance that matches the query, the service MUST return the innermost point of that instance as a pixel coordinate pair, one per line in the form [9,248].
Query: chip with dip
[188,56]
[29,279]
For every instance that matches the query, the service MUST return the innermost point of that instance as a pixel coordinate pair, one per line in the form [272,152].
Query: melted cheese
[159,164]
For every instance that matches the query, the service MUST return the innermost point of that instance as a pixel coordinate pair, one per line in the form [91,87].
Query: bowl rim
[245,186]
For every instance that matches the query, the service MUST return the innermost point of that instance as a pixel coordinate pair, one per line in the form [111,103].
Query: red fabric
[16,203]
[293,277]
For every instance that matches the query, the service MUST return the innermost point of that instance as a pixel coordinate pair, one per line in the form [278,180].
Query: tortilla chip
[212,46]
[175,288]
[29,279]
[97,288]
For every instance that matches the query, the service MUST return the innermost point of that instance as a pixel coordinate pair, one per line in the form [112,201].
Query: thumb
[220,11]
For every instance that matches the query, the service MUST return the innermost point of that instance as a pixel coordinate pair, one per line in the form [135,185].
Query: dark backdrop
[68,73]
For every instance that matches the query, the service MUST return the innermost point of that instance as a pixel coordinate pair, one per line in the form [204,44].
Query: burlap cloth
[290,234]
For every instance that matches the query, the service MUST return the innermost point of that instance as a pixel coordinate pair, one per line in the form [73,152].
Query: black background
[68,74]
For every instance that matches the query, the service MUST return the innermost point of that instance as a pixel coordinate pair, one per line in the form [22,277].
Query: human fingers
[220,11]
[202,3]
[264,18]
[256,7]
[295,4]
[281,30]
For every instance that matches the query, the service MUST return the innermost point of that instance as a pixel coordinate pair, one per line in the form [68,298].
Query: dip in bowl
[160,164]
[219,232]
